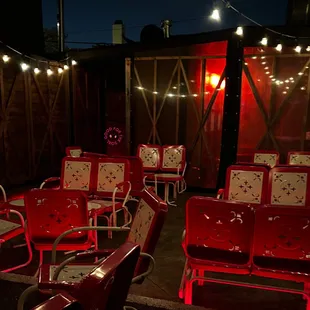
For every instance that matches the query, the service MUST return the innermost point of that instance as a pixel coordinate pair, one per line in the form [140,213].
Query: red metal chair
[61,301]
[270,158]
[298,158]
[281,247]
[74,151]
[145,231]
[111,180]
[218,238]
[11,228]
[246,183]
[105,287]
[289,185]
[50,213]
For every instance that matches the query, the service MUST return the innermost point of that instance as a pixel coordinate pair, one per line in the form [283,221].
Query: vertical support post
[29,118]
[202,107]
[232,105]
[71,120]
[154,101]
[128,85]
[61,26]
[177,122]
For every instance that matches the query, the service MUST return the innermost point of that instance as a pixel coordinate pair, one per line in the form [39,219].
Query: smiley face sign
[113,136]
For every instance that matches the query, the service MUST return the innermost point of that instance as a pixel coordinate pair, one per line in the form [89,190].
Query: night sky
[91,20]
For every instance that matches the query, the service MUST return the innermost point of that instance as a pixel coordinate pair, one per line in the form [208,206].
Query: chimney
[118,32]
[166,25]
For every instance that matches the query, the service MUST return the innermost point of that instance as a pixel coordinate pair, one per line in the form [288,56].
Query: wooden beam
[128,85]
[154,101]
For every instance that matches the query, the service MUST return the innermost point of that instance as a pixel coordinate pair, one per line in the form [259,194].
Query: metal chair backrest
[150,155]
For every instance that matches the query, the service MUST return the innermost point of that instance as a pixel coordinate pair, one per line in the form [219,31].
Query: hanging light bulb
[216,15]
[308,49]
[73,62]
[239,31]
[298,48]
[66,67]
[5,58]
[60,70]
[24,66]
[264,41]
[49,72]
[36,70]
[279,47]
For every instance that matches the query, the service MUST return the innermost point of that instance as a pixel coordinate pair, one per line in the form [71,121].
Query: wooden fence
[36,116]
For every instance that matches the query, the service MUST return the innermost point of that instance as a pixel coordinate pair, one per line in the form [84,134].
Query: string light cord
[38,60]
[229,6]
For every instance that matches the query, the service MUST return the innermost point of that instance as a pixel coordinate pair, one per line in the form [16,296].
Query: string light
[49,72]
[24,66]
[5,58]
[308,49]
[298,48]
[216,15]
[279,47]
[264,41]
[66,67]
[36,70]
[73,62]
[239,31]
[60,70]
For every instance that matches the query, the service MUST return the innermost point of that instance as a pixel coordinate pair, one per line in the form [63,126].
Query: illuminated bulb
[279,47]
[5,58]
[170,95]
[300,73]
[267,72]
[271,76]
[298,48]
[73,62]
[60,70]
[287,87]
[195,95]
[263,57]
[266,68]
[291,78]
[292,81]
[246,63]
[239,31]
[139,87]
[24,66]
[183,96]
[281,82]
[49,72]
[254,57]
[264,41]
[285,92]
[36,70]
[215,15]
[278,82]
[66,67]
[258,80]
[264,62]
[273,80]
[174,87]
[302,88]
[155,92]
[308,49]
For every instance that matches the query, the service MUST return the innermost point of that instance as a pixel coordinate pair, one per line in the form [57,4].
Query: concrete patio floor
[164,282]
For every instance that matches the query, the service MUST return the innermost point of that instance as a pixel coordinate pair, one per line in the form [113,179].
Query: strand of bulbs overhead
[26,67]
[216,16]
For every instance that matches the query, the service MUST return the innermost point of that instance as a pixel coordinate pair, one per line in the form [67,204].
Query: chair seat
[165,177]
[70,273]
[218,260]
[9,229]
[83,243]
[103,206]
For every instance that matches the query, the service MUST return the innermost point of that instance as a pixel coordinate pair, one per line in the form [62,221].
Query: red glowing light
[213,79]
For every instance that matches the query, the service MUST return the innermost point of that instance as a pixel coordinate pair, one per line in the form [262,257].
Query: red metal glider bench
[298,158]
[237,238]
[61,301]
[270,158]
